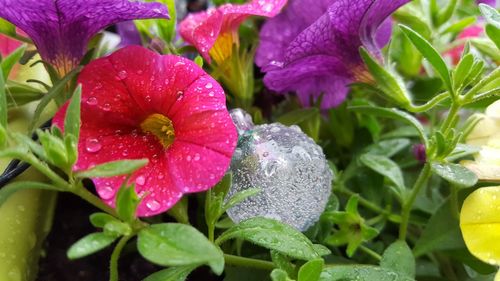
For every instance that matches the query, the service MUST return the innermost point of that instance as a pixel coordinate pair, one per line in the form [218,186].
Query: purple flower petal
[61,29]
[492,3]
[128,33]
[316,52]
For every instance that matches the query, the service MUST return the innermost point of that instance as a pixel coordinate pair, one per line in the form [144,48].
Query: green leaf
[399,258]
[239,197]
[52,93]
[390,84]
[100,219]
[8,190]
[455,174]
[178,273]
[9,61]
[7,27]
[3,102]
[385,167]
[389,147]
[170,24]
[117,228]
[463,69]
[460,25]
[393,113]
[126,202]
[494,34]
[283,262]
[174,244]
[442,232]
[322,250]
[433,56]
[90,244]
[20,94]
[115,168]
[311,270]
[279,275]
[72,118]
[361,273]
[490,14]
[273,235]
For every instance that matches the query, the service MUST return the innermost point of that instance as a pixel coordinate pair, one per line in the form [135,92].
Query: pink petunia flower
[8,45]
[139,104]
[213,32]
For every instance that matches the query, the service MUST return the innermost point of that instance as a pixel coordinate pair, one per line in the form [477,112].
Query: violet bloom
[129,34]
[61,29]
[492,3]
[315,50]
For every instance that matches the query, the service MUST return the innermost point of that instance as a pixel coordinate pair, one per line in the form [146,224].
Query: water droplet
[148,98]
[166,81]
[92,145]
[140,180]
[160,176]
[106,107]
[92,101]
[139,71]
[153,205]
[107,192]
[196,157]
[209,85]
[21,208]
[125,152]
[188,158]
[268,7]
[122,74]
[211,94]
[180,95]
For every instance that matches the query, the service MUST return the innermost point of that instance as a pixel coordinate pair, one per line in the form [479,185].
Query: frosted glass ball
[287,166]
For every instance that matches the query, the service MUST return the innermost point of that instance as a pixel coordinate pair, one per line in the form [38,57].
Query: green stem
[369,205]
[113,264]
[430,104]
[408,205]
[248,262]
[44,169]
[370,252]
[448,122]
[487,94]
[92,199]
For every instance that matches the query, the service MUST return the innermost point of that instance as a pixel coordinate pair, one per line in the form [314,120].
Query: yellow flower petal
[480,224]
[493,110]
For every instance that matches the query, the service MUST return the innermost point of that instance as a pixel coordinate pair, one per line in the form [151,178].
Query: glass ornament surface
[287,166]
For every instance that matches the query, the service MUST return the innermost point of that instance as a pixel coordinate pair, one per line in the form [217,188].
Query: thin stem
[487,94]
[113,264]
[248,262]
[369,205]
[370,252]
[408,205]
[448,122]
[92,199]
[44,169]
[430,104]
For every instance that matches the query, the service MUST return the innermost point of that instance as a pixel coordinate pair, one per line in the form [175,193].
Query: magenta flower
[61,29]
[138,104]
[316,51]
[213,32]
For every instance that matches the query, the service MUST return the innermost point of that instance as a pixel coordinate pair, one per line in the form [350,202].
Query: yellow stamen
[223,47]
[160,126]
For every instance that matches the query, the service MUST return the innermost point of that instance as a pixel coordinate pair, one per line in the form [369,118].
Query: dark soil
[70,224]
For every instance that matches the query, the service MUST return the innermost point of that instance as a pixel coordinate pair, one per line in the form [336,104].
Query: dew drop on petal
[160,176]
[125,153]
[140,180]
[147,98]
[92,145]
[92,101]
[211,94]
[209,85]
[180,95]
[122,74]
[107,192]
[106,107]
[153,205]
[196,157]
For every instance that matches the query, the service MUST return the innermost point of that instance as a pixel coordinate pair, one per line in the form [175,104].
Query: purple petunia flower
[129,34]
[492,3]
[316,51]
[61,29]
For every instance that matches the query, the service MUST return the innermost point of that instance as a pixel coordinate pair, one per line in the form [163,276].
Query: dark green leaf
[311,270]
[442,232]
[100,219]
[455,174]
[385,167]
[433,56]
[463,69]
[239,197]
[178,273]
[394,114]
[90,244]
[174,244]
[9,62]
[20,94]
[273,235]
[8,190]
[180,210]
[360,273]
[115,168]
[389,147]
[72,118]
[399,258]
[283,262]
[54,148]
[126,202]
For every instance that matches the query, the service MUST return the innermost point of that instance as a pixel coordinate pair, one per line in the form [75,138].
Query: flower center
[160,126]
[223,47]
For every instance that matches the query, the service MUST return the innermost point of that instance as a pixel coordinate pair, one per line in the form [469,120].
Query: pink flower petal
[202,29]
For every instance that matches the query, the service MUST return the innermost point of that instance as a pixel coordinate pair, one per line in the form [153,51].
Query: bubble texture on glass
[288,167]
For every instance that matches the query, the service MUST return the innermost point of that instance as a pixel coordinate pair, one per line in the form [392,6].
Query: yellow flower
[487,135]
